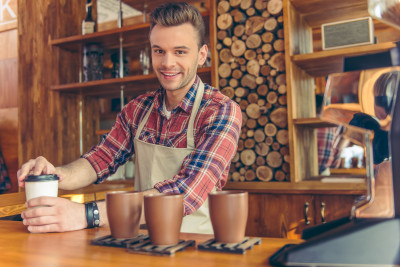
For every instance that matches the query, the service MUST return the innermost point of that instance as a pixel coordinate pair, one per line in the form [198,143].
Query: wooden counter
[18,247]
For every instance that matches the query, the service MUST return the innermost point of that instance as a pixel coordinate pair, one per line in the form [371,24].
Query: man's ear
[202,55]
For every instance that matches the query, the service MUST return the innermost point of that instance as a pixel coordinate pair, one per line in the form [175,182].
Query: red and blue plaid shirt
[5,183]
[216,133]
[328,152]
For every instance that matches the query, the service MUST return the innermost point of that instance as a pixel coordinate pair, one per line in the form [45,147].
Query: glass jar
[93,59]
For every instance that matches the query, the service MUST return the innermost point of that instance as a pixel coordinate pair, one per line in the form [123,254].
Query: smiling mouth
[169,75]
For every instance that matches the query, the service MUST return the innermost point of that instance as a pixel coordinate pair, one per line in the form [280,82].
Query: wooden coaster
[141,244]
[147,248]
[238,248]
[109,241]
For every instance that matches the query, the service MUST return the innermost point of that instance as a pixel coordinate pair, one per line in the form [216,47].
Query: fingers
[41,219]
[41,166]
[48,228]
[37,166]
[24,171]
[41,201]
[53,214]
[38,221]
[38,207]
[59,173]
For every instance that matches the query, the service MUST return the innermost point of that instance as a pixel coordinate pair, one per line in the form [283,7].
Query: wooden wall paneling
[8,101]
[69,107]
[305,165]
[8,84]
[332,207]
[8,44]
[278,215]
[8,17]
[300,90]
[91,122]
[9,143]
[48,120]
[257,216]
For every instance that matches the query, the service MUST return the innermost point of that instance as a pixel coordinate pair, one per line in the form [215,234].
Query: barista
[184,136]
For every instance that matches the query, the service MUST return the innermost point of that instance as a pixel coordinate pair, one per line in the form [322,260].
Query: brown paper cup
[163,213]
[124,209]
[228,212]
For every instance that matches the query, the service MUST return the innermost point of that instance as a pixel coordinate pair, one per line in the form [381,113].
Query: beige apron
[155,163]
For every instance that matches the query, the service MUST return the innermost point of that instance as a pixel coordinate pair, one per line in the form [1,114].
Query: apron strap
[143,122]
[190,131]
[196,105]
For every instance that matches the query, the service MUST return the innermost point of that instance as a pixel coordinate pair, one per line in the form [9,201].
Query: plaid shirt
[328,153]
[216,133]
[4,179]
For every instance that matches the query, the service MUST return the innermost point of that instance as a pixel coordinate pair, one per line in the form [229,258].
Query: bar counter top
[18,247]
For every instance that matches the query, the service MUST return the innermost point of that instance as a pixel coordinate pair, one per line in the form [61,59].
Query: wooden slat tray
[142,245]
[147,248]
[238,248]
[109,241]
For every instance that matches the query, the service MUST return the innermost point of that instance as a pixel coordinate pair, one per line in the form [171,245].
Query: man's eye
[158,51]
[180,52]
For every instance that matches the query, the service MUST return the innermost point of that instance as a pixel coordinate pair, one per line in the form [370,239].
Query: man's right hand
[37,166]
[54,214]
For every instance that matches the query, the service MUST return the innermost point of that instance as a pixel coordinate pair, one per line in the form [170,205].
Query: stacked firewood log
[252,72]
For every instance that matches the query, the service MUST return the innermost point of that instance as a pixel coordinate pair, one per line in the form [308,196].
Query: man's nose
[168,60]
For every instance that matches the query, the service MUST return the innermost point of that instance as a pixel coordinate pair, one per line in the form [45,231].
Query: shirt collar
[186,103]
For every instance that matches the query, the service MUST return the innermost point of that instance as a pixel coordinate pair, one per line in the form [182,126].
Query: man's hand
[37,166]
[53,214]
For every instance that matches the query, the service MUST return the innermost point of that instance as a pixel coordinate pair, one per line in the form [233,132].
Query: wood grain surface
[20,248]
[49,121]
[8,102]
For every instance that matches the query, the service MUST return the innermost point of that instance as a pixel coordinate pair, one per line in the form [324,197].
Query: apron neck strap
[190,129]
[195,108]
[143,122]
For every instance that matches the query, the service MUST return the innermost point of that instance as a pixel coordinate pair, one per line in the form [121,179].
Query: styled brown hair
[174,14]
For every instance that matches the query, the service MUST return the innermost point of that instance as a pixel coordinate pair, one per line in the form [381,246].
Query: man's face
[176,55]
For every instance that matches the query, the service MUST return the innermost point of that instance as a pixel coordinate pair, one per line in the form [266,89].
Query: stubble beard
[186,80]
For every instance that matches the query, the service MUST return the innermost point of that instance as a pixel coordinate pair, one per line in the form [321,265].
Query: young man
[183,135]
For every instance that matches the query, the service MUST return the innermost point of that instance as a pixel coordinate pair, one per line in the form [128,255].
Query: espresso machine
[370,236]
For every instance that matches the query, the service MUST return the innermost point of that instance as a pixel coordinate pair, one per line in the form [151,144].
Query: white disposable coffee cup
[41,185]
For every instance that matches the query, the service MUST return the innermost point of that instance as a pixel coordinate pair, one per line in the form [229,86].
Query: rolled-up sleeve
[113,150]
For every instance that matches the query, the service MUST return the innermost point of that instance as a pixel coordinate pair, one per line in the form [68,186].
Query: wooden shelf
[133,85]
[109,39]
[134,37]
[312,123]
[304,187]
[102,132]
[352,171]
[322,63]
[317,12]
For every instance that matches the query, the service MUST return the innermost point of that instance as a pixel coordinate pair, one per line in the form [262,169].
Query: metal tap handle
[323,212]
[306,220]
